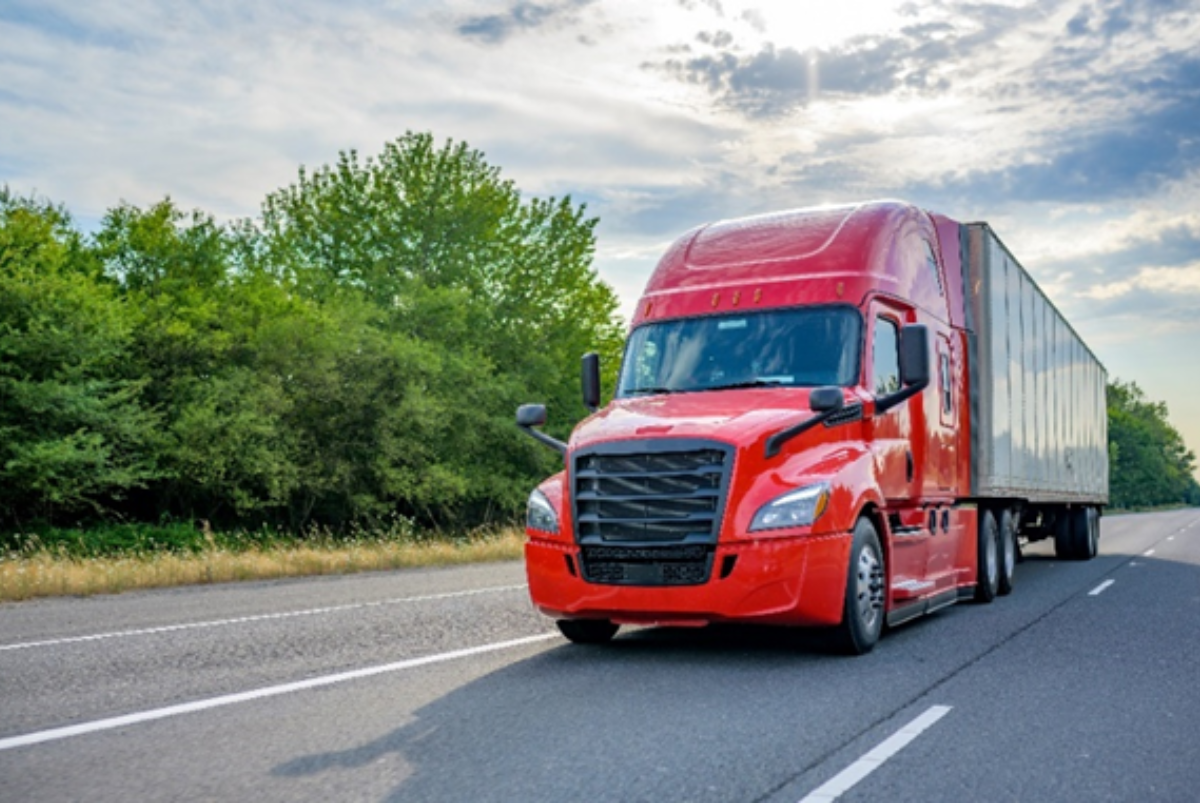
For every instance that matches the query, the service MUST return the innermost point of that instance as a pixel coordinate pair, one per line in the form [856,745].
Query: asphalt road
[444,685]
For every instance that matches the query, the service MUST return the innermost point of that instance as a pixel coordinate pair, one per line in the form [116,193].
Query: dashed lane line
[841,783]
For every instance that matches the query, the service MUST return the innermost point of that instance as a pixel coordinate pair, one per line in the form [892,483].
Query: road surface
[444,685]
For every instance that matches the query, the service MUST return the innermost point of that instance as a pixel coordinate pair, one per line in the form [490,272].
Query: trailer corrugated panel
[1039,427]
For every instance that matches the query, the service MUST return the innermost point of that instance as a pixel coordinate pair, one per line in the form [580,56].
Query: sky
[1072,126]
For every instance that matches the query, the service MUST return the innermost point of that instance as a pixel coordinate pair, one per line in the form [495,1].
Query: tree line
[1149,463]
[354,353]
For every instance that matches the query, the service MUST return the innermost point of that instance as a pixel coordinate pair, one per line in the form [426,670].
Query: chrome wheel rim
[869,587]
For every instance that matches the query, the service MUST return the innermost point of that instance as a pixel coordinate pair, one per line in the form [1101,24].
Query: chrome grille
[651,496]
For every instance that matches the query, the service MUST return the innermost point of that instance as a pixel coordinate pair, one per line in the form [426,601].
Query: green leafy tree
[74,433]
[1149,462]
[496,294]
[225,450]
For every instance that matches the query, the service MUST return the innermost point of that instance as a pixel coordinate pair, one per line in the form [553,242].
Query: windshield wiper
[754,383]
[650,391]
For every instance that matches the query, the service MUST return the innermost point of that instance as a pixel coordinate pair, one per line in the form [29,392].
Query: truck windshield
[807,347]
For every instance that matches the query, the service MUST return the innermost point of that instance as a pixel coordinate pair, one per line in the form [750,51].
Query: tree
[74,433]
[1149,462]
[495,292]
[225,451]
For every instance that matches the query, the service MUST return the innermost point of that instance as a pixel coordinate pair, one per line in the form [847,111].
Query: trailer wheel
[1085,530]
[1008,552]
[587,631]
[1064,535]
[862,610]
[987,559]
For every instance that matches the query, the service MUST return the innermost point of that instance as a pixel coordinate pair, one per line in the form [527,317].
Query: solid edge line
[1098,590]
[841,783]
[261,617]
[258,694]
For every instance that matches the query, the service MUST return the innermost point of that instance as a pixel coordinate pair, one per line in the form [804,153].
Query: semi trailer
[842,417]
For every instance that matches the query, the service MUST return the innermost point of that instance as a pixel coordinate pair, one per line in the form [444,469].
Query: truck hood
[740,417]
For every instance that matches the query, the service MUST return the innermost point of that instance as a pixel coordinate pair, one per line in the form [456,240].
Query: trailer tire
[1064,535]
[1009,552]
[987,559]
[1085,530]
[587,631]
[862,609]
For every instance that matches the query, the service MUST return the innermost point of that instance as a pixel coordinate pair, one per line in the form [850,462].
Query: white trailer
[1039,423]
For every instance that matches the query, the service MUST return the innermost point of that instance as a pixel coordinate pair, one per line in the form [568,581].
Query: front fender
[848,467]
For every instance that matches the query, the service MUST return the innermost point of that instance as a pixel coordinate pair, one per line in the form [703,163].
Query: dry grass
[44,574]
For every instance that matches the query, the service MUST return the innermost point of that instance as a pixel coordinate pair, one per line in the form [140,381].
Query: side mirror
[914,367]
[826,400]
[590,380]
[531,415]
[534,415]
[914,355]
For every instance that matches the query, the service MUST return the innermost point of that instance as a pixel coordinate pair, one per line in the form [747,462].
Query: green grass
[112,559]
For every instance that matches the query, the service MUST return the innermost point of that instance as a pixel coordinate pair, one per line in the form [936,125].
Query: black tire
[588,631]
[863,607]
[987,558]
[1009,552]
[1064,538]
[1085,531]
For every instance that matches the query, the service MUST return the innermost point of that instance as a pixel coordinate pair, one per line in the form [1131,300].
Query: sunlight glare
[804,24]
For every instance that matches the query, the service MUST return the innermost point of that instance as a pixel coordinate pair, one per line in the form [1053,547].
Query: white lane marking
[256,618]
[257,694]
[1148,552]
[1100,588]
[1170,538]
[841,783]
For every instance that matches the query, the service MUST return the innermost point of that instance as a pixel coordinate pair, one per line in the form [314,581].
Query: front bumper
[791,581]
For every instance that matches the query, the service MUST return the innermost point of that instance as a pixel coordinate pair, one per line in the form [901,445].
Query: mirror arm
[775,442]
[904,394]
[543,438]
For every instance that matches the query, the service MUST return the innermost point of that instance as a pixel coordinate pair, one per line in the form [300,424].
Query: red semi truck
[840,416]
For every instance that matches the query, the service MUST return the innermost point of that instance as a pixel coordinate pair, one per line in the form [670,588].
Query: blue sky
[1073,126]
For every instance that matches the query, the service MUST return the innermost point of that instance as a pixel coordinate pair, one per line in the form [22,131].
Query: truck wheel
[1084,529]
[1064,537]
[987,559]
[1008,552]
[862,610]
[587,631]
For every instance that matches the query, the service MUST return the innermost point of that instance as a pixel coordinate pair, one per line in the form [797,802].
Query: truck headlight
[540,515]
[798,508]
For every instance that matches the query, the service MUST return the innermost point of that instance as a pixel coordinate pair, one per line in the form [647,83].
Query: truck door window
[947,396]
[886,356]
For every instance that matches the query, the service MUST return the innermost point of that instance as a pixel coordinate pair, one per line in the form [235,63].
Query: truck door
[893,441]
[945,524]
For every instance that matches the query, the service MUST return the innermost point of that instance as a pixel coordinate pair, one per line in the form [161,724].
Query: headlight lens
[540,515]
[798,508]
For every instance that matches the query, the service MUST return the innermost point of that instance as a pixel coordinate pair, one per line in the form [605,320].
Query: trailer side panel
[1039,423]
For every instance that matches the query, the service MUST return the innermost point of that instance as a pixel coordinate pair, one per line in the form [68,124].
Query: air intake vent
[647,566]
